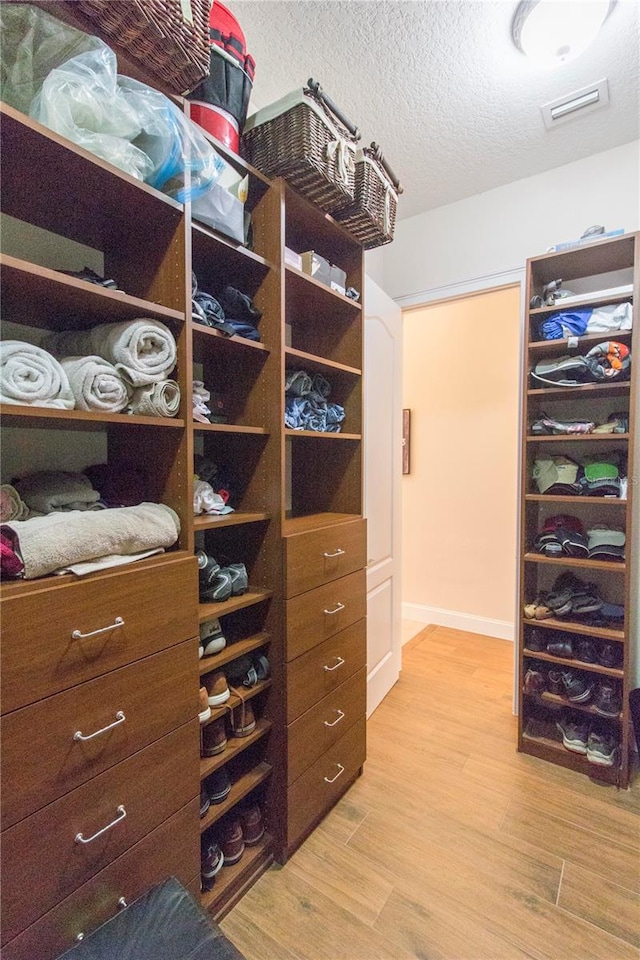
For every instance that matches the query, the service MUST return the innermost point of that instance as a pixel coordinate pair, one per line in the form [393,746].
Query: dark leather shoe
[535,641]
[587,651]
[561,647]
[610,655]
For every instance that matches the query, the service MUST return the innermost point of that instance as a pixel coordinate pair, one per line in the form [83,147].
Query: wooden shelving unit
[613,580]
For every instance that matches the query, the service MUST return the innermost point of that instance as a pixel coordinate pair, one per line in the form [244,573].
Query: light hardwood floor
[452,846]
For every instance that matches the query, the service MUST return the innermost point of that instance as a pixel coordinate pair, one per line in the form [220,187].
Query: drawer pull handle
[121,815]
[337,720]
[339,663]
[122,903]
[80,937]
[79,736]
[78,635]
[338,774]
[338,607]
[336,553]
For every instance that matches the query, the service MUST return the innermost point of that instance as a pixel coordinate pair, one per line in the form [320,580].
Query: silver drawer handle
[333,722]
[338,607]
[338,774]
[122,903]
[339,663]
[79,736]
[121,815]
[336,553]
[78,635]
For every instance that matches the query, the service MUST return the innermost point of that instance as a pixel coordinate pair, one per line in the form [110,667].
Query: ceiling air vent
[579,102]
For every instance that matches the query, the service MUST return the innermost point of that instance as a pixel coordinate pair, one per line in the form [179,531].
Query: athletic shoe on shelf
[607,700]
[231,840]
[205,709]
[577,688]
[217,688]
[601,749]
[574,735]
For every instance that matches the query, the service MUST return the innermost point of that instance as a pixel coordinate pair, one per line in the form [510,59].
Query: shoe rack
[588,271]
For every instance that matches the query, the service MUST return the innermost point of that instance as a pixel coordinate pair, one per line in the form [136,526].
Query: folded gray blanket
[30,375]
[51,543]
[95,384]
[142,350]
[53,490]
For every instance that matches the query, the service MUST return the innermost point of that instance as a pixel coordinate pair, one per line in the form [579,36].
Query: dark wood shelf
[538,349]
[231,882]
[576,664]
[206,611]
[588,300]
[305,278]
[235,746]
[312,362]
[229,428]
[213,521]
[595,390]
[586,708]
[546,498]
[230,245]
[318,435]
[239,790]
[611,565]
[31,416]
[568,626]
[579,438]
[236,342]
[554,751]
[232,651]
[312,521]
[599,256]
[35,296]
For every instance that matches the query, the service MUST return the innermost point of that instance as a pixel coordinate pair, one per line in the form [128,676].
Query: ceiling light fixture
[553,32]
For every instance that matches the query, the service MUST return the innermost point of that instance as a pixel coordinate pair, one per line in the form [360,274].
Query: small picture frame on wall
[406,441]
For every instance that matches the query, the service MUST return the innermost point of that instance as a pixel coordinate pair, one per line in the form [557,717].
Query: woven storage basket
[310,144]
[155,34]
[371,218]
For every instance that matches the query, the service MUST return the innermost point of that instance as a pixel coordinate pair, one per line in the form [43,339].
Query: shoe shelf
[569,626]
[599,501]
[235,701]
[213,521]
[588,390]
[235,746]
[252,596]
[552,750]
[233,651]
[311,362]
[51,417]
[40,297]
[231,882]
[581,438]
[557,700]
[613,566]
[575,664]
[239,790]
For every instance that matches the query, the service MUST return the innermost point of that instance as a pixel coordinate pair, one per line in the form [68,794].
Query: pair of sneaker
[218,583]
[212,639]
[600,748]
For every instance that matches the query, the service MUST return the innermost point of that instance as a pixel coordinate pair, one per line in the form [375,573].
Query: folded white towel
[156,399]
[47,544]
[95,384]
[143,350]
[47,491]
[30,375]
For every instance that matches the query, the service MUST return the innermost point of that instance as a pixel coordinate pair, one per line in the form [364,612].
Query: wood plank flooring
[452,846]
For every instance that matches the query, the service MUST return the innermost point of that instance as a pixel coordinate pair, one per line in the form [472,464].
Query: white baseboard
[500,629]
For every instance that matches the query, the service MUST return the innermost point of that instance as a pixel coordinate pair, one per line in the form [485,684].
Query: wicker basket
[155,34]
[371,218]
[309,143]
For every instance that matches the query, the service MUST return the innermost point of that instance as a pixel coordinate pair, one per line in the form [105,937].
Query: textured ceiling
[441,87]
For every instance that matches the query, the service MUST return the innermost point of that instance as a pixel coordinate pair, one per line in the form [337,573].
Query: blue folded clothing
[561,326]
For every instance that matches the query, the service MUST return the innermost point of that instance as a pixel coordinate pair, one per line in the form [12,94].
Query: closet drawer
[312,795]
[319,671]
[40,656]
[173,849]
[319,728]
[320,556]
[43,862]
[40,760]
[319,614]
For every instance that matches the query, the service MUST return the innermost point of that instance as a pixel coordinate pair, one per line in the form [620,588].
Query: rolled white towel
[156,399]
[96,384]
[12,506]
[62,539]
[142,350]
[29,375]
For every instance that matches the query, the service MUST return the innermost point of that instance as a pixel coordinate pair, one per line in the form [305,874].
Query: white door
[382,480]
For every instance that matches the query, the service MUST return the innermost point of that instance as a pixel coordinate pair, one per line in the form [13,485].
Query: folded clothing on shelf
[306,404]
[232,313]
[32,376]
[587,320]
[59,541]
[49,491]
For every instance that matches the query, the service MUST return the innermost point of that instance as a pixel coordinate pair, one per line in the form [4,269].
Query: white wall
[494,232]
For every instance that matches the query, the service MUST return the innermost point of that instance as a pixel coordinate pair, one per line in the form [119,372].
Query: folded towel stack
[49,491]
[29,375]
